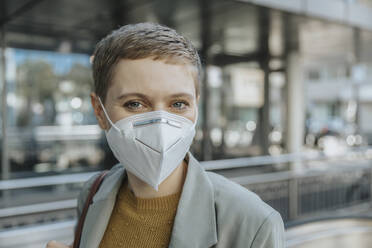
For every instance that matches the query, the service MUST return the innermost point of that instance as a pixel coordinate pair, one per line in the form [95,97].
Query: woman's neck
[171,185]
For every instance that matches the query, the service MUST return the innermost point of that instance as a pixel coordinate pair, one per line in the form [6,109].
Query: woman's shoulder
[88,184]
[242,214]
[234,199]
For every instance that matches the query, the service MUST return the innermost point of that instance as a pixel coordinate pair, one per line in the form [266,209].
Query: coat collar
[195,221]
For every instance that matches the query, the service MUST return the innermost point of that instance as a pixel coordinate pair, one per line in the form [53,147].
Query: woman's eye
[133,105]
[179,105]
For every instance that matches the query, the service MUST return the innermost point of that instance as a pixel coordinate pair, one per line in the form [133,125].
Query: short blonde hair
[138,41]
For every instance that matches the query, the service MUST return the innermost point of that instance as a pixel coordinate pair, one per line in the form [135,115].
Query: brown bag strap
[88,201]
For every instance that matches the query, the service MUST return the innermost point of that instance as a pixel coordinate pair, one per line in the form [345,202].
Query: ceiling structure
[234,31]
[75,26]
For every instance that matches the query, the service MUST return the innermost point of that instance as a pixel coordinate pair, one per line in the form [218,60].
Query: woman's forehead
[149,77]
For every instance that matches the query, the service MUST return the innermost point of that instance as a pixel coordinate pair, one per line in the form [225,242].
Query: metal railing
[45,181]
[298,195]
[51,199]
[38,208]
[37,236]
[294,194]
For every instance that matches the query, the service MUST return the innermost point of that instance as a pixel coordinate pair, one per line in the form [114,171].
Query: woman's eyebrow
[140,95]
[123,96]
[187,95]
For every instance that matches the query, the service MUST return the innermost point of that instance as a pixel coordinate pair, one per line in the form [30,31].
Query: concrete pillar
[5,170]
[295,122]
[264,111]
[296,110]
[356,87]
[205,37]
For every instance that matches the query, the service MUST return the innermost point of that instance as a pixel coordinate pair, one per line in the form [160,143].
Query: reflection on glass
[52,126]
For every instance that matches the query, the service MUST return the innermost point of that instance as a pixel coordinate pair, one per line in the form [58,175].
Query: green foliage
[36,80]
[38,83]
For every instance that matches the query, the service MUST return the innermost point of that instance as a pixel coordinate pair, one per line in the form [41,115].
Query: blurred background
[286,109]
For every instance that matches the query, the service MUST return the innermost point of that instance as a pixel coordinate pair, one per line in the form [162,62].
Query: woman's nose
[159,106]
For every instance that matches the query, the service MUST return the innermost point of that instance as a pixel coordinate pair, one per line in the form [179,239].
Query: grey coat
[212,212]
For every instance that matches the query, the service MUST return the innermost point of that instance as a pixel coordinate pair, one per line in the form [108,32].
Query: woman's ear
[98,111]
[197,100]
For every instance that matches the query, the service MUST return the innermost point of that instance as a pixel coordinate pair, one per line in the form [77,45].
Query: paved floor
[331,234]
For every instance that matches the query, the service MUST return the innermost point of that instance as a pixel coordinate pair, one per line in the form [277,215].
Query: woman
[146,96]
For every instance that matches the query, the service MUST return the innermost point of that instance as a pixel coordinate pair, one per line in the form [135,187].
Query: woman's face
[146,85]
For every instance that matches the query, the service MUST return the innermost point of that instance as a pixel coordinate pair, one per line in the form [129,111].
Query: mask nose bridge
[157,120]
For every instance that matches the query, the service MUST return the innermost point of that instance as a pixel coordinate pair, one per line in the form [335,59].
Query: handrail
[38,208]
[45,181]
[233,163]
[27,230]
[287,175]
[207,165]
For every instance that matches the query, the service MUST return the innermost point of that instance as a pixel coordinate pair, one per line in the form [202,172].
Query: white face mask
[150,145]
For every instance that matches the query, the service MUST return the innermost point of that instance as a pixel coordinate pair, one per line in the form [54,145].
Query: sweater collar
[148,205]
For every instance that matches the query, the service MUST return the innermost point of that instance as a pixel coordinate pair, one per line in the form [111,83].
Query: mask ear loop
[108,118]
[196,117]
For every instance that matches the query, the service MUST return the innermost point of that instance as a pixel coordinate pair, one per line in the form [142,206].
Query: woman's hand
[55,244]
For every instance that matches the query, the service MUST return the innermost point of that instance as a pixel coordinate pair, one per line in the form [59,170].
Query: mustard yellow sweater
[138,222]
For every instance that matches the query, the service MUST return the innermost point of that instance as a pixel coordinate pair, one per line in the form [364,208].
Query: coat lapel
[100,210]
[195,222]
